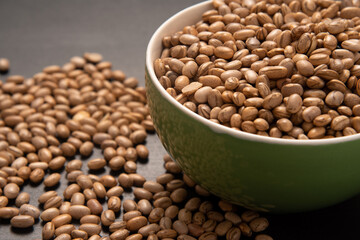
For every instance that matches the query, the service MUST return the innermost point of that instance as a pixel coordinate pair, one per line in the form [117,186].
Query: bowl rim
[218,128]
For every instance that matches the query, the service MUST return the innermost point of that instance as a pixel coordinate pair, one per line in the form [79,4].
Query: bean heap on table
[46,120]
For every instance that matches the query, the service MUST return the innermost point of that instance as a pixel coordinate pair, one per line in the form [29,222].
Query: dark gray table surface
[34,34]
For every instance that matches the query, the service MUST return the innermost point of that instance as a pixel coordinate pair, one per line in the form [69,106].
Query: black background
[34,34]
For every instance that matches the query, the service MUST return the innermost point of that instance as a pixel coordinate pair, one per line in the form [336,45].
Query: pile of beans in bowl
[284,69]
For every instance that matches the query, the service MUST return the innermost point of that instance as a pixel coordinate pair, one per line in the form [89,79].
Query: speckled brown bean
[24,172]
[208,236]
[57,163]
[115,191]
[181,82]
[114,203]
[214,215]
[205,207]
[294,103]
[179,195]
[136,223]
[48,231]
[11,190]
[79,211]
[21,199]
[63,236]
[90,228]
[125,180]
[50,213]
[272,100]
[27,209]
[46,196]
[223,227]
[201,191]
[4,65]
[166,233]
[259,224]
[142,151]
[180,227]
[115,226]
[90,219]
[99,190]
[93,57]
[116,163]
[66,228]
[148,229]
[340,122]
[8,212]
[22,221]
[185,216]
[79,234]
[95,206]
[164,178]
[52,180]
[263,237]
[226,113]
[4,201]
[73,165]
[71,190]
[144,206]
[153,187]
[129,205]
[108,181]
[245,229]
[38,165]
[141,193]
[233,234]
[233,217]
[45,155]
[248,216]
[86,148]
[305,68]
[172,211]
[159,68]
[193,204]
[138,136]
[172,167]
[161,194]
[96,164]
[195,230]
[284,125]
[84,181]
[61,220]
[65,207]
[131,214]
[121,234]
[310,113]
[107,217]
[316,133]
[130,167]
[138,179]
[136,236]
[68,149]
[209,225]
[96,237]
[162,202]
[155,215]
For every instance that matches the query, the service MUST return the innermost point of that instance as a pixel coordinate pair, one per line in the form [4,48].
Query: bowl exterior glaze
[260,175]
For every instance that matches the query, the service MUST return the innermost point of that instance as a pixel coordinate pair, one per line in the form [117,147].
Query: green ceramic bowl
[257,172]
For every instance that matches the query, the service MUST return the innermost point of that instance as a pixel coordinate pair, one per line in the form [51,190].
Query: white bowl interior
[190,16]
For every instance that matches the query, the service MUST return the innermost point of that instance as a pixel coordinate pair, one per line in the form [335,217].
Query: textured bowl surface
[261,173]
